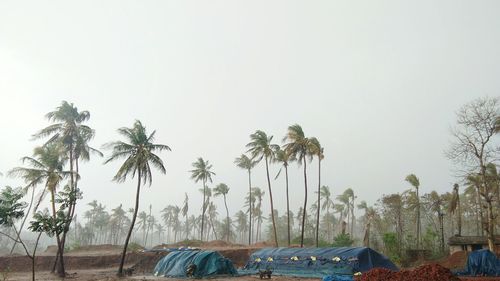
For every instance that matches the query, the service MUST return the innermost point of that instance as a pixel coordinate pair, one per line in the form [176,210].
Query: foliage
[11,208]
[342,240]
[44,222]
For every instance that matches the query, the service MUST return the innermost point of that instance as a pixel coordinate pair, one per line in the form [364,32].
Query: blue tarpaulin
[208,264]
[482,263]
[316,262]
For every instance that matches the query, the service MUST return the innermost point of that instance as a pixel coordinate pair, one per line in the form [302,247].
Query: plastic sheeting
[208,264]
[481,263]
[316,262]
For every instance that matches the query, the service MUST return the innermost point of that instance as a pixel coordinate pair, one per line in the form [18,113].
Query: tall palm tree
[184,211]
[283,157]
[260,147]
[415,182]
[475,181]
[139,151]
[455,207]
[248,164]
[299,147]
[202,171]
[67,129]
[46,166]
[317,150]
[223,189]
[327,204]
[257,195]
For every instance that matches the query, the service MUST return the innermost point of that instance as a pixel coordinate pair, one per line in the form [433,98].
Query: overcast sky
[377,82]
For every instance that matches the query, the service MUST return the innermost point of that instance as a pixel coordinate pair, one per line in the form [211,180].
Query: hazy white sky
[377,82]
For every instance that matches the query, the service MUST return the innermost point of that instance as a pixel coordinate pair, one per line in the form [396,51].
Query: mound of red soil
[456,260]
[428,272]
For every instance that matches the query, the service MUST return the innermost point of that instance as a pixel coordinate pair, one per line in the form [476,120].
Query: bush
[342,240]
[134,247]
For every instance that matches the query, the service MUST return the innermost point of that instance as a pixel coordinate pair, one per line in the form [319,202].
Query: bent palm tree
[202,171]
[327,204]
[317,150]
[246,163]
[139,151]
[223,189]
[283,157]
[68,130]
[298,147]
[46,166]
[414,181]
[260,147]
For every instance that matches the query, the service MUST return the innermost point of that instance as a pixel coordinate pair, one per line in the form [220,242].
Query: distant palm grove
[394,224]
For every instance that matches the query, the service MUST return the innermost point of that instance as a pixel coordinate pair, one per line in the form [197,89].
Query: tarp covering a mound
[482,263]
[208,264]
[316,262]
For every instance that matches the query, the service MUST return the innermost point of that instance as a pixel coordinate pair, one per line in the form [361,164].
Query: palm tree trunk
[249,208]
[287,205]
[272,206]
[480,210]
[418,221]
[227,219]
[60,269]
[124,253]
[319,201]
[305,205]
[491,223]
[203,210]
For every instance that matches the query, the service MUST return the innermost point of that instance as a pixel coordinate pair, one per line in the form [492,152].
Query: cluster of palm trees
[296,148]
[53,170]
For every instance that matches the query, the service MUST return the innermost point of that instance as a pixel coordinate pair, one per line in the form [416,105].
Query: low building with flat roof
[470,243]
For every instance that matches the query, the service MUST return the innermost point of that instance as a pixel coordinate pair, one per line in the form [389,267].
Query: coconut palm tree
[317,150]
[283,158]
[248,164]
[223,189]
[257,195]
[299,147]
[184,211]
[475,181]
[260,147]
[414,181]
[202,172]
[46,166]
[67,129]
[139,151]
[327,204]
[455,207]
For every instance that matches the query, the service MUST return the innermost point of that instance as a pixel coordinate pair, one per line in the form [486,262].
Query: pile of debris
[428,272]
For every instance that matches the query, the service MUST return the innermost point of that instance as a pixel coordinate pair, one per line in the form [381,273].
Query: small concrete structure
[470,243]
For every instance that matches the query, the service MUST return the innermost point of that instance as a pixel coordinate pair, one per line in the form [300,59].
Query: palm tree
[223,189]
[202,171]
[327,204]
[140,156]
[46,166]
[414,181]
[248,164]
[298,147]
[455,206]
[68,130]
[317,150]
[257,195]
[184,211]
[475,181]
[260,147]
[283,157]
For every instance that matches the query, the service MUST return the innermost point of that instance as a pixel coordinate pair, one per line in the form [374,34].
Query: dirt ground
[96,263]
[110,275]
